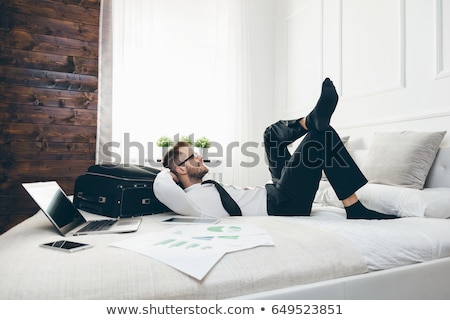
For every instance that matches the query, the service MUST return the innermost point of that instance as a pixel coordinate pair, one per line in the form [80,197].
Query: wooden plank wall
[48,97]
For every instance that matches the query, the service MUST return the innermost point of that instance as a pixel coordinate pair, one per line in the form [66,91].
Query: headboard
[439,175]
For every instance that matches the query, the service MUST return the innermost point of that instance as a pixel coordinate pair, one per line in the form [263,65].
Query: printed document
[195,250]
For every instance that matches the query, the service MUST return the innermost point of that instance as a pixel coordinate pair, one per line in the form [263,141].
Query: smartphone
[67,246]
[190,220]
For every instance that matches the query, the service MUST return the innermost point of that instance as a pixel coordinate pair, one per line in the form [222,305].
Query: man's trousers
[296,177]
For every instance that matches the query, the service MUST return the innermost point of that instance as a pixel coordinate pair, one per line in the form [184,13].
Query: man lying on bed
[295,177]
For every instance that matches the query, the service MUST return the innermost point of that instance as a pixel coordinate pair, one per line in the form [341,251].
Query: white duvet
[307,250]
[386,244]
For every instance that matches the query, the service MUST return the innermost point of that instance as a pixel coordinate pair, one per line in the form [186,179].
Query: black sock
[319,118]
[358,211]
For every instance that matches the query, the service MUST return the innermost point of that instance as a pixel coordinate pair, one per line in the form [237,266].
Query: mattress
[386,244]
[306,250]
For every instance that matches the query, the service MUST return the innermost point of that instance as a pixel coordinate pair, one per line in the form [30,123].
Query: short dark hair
[172,157]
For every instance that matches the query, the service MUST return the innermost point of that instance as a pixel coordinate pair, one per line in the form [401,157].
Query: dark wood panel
[52,27]
[28,171]
[48,61]
[18,194]
[47,115]
[38,150]
[56,9]
[8,204]
[46,133]
[65,172]
[19,39]
[48,97]
[47,79]
[9,220]
[95,4]
[18,205]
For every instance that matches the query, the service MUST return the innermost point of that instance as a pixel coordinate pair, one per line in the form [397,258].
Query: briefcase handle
[99,199]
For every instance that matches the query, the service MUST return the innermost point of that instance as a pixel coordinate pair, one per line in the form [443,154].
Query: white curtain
[173,68]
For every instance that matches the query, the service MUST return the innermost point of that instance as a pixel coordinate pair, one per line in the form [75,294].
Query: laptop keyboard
[98,225]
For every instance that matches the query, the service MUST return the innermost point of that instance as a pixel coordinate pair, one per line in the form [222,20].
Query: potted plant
[164,142]
[187,139]
[202,145]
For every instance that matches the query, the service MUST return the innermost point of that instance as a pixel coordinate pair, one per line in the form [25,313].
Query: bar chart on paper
[195,250]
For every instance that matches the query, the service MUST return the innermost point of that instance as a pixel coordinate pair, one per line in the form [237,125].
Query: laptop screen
[54,203]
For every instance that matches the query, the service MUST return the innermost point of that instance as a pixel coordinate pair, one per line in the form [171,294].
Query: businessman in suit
[295,177]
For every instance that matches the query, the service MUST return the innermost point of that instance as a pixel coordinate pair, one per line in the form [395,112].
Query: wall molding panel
[442,39]
[304,55]
[378,63]
[389,60]
[440,114]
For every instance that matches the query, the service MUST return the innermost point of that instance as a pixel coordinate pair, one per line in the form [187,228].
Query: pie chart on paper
[225,229]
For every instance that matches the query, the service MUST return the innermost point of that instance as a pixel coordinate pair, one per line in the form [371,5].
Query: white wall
[192,49]
[390,60]
[262,82]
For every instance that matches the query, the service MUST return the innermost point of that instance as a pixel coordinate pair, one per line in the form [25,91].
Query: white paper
[195,250]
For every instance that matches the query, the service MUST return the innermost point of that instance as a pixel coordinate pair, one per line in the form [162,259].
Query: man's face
[195,167]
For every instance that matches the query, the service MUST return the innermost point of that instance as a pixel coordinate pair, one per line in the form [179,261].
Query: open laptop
[67,218]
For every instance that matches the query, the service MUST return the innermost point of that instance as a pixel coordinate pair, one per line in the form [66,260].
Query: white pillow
[399,201]
[439,203]
[406,202]
[402,158]
[326,196]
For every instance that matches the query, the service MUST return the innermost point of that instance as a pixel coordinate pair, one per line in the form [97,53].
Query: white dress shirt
[204,200]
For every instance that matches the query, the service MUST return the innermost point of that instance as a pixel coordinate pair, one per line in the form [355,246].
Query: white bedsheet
[307,249]
[301,254]
[386,244]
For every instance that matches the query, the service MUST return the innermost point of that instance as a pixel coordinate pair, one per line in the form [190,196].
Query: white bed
[324,256]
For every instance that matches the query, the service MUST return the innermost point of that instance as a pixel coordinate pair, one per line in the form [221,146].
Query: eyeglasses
[194,155]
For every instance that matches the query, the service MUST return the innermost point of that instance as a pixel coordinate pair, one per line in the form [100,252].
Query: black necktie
[227,201]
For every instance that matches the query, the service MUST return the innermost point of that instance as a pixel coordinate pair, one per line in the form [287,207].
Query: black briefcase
[118,191]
